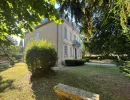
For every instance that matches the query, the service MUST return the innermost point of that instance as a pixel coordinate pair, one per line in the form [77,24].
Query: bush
[74,62]
[86,59]
[40,56]
[18,56]
[12,63]
[125,68]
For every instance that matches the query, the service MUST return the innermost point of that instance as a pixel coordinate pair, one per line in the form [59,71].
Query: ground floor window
[70,51]
[65,51]
[80,52]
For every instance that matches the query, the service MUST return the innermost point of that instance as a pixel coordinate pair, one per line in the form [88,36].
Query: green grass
[108,82]
[13,83]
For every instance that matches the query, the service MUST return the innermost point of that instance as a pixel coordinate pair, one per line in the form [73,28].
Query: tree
[83,50]
[109,38]
[8,48]
[84,11]
[19,16]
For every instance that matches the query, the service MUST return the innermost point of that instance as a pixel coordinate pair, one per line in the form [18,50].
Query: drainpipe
[62,50]
[57,42]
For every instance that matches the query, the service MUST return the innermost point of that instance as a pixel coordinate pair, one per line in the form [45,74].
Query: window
[65,51]
[37,36]
[74,37]
[70,51]
[65,33]
[77,38]
[70,36]
[80,52]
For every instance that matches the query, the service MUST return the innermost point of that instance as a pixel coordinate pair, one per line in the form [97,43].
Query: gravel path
[100,64]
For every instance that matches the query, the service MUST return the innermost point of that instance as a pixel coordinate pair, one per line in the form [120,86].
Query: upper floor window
[70,36]
[37,36]
[74,37]
[78,39]
[65,32]
[65,51]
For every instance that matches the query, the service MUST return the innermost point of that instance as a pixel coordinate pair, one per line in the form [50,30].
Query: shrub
[74,62]
[125,68]
[18,56]
[86,59]
[12,63]
[40,56]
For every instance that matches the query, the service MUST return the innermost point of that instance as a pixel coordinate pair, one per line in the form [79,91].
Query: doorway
[75,53]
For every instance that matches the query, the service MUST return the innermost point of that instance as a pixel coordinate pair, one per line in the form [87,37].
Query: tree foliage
[84,11]
[9,49]
[105,22]
[109,38]
[83,50]
[18,16]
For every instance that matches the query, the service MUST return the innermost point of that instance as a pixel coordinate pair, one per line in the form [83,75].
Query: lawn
[108,82]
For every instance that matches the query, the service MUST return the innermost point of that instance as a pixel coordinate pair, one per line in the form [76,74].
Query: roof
[44,23]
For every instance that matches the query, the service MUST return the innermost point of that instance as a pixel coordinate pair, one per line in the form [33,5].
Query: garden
[108,82]
[36,79]
[104,27]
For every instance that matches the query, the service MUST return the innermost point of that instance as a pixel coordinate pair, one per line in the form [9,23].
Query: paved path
[100,64]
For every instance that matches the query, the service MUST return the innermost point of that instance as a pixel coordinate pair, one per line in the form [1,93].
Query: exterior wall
[69,43]
[51,32]
[60,43]
[55,33]
[47,31]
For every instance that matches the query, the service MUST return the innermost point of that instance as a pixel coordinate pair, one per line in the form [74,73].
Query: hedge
[70,62]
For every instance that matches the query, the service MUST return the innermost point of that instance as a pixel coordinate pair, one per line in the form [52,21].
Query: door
[75,53]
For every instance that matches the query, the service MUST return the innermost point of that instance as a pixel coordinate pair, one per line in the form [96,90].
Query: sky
[17,38]
[57,6]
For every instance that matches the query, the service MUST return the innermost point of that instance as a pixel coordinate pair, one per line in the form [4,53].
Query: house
[65,37]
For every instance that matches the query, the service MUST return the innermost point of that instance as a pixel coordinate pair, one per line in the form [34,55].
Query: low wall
[66,92]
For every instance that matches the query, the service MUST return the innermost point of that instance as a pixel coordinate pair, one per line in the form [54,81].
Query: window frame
[71,52]
[70,36]
[65,32]
[65,51]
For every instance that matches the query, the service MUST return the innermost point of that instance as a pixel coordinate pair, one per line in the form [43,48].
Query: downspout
[62,50]
[57,42]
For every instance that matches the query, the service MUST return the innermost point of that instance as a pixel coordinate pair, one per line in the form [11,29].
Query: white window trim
[65,51]
[70,51]
[65,33]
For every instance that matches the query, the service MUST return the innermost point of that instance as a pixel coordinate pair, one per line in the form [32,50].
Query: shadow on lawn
[7,84]
[107,86]
[43,87]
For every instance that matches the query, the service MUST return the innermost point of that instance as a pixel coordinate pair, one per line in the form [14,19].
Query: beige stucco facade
[63,36]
